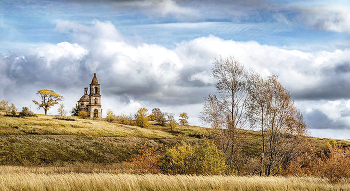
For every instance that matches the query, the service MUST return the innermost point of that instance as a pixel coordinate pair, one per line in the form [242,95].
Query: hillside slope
[48,140]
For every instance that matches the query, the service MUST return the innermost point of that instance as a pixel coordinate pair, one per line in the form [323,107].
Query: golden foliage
[142,118]
[202,158]
[183,118]
[3,105]
[48,99]
[158,116]
[9,109]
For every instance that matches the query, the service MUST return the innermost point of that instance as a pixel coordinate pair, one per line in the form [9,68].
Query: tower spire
[94,80]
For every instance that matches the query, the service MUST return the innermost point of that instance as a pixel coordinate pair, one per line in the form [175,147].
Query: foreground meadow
[53,153]
[110,181]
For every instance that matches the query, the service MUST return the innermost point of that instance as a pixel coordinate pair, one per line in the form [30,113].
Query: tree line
[141,118]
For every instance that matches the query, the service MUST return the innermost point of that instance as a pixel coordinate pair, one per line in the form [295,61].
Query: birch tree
[271,106]
[225,109]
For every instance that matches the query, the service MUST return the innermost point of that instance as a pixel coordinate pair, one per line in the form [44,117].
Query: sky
[159,53]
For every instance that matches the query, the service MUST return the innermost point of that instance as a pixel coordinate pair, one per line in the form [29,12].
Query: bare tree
[257,110]
[283,121]
[171,121]
[225,110]
[61,110]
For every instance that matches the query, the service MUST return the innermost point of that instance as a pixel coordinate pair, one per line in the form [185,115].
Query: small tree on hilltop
[75,110]
[158,116]
[183,118]
[61,110]
[171,121]
[142,118]
[48,99]
[10,110]
[3,105]
[110,116]
[13,109]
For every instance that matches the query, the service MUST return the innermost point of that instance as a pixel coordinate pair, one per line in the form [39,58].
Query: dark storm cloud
[342,68]
[328,89]
[316,119]
[334,84]
[29,70]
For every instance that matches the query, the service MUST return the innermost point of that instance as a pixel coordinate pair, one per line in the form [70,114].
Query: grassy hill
[50,140]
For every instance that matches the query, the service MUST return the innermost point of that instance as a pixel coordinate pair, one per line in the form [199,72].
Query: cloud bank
[135,74]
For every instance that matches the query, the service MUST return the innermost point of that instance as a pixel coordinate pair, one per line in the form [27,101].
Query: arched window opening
[96,88]
[95,113]
[95,100]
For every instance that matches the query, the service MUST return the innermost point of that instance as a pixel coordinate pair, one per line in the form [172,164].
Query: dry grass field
[21,178]
[47,153]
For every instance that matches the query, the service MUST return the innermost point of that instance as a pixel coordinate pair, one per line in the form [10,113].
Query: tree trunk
[263,141]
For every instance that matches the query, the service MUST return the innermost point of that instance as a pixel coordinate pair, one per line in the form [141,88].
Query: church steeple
[94,87]
[94,80]
[91,103]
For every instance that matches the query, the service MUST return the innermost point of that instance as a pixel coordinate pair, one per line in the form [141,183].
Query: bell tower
[95,99]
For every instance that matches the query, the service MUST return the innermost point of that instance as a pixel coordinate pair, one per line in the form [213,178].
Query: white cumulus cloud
[136,75]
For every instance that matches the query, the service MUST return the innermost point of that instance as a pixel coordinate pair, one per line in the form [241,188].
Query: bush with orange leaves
[336,163]
[147,161]
[333,164]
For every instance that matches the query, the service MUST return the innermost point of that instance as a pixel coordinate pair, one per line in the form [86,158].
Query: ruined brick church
[91,102]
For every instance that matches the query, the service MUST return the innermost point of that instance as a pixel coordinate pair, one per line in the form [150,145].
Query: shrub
[66,118]
[334,164]
[83,114]
[126,120]
[26,113]
[203,158]
[110,116]
[147,161]
[9,109]
[75,110]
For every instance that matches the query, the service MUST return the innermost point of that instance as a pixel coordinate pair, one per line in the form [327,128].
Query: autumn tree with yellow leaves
[48,99]
[142,117]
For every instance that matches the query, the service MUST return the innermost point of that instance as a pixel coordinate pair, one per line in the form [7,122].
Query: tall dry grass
[108,181]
